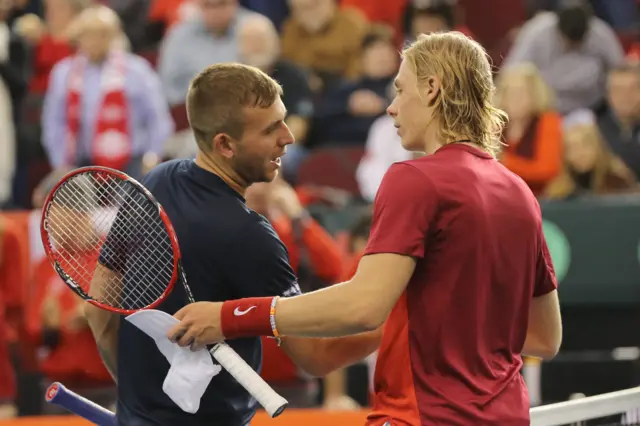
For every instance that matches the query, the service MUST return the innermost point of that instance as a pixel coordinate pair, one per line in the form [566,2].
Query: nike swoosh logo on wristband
[237,312]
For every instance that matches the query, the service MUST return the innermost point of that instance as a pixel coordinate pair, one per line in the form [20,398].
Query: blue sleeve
[259,264]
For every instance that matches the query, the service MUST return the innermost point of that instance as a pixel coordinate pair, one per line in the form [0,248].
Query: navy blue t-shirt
[228,252]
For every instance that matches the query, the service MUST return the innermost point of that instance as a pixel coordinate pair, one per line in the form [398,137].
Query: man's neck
[205,162]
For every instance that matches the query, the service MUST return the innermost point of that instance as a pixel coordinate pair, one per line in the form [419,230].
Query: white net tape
[624,404]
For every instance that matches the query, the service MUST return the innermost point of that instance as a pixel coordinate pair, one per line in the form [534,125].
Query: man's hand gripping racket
[113,244]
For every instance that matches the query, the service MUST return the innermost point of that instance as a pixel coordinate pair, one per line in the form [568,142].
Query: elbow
[369,320]
[366,314]
[548,352]
[318,369]
[552,347]
[545,349]
[99,320]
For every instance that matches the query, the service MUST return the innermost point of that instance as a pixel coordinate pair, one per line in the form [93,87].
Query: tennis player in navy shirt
[228,251]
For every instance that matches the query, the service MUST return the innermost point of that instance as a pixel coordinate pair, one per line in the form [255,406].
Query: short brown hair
[218,95]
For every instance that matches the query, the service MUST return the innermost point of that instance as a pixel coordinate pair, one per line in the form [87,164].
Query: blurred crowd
[103,82]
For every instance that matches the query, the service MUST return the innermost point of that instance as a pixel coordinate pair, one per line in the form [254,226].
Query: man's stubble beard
[250,169]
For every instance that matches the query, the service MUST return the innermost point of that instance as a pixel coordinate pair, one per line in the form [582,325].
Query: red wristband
[246,317]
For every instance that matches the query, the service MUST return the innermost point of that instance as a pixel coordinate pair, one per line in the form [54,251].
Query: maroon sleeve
[546,280]
[403,211]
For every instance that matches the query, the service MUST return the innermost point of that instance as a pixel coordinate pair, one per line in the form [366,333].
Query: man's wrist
[248,317]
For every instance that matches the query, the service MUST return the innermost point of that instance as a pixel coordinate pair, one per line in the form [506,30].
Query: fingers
[187,338]
[176,332]
[182,313]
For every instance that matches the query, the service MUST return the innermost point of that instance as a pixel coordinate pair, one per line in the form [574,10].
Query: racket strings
[96,219]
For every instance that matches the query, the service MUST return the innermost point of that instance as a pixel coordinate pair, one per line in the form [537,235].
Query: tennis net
[614,408]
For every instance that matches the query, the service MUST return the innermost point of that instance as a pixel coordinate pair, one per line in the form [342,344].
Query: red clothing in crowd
[46,54]
[75,359]
[326,260]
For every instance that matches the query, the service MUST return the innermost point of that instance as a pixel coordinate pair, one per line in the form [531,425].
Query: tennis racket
[58,394]
[113,244]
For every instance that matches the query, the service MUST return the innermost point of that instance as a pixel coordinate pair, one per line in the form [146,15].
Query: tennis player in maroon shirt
[456,267]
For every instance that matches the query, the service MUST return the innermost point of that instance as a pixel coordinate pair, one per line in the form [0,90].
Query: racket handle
[60,395]
[272,402]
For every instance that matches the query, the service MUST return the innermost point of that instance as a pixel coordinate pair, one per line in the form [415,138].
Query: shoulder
[352,19]
[258,231]
[184,30]
[138,64]
[541,29]
[408,177]
[541,23]
[244,13]
[290,27]
[164,170]
[600,28]
[62,67]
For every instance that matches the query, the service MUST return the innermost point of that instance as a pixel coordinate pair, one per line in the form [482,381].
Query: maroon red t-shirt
[451,350]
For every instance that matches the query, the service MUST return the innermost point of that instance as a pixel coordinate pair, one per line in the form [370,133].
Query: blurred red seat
[179,115]
[332,167]
[151,56]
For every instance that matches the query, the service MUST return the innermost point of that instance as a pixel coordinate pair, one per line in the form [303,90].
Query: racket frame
[44,234]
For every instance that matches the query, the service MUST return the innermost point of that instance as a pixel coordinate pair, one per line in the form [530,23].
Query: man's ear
[224,144]
[431,89]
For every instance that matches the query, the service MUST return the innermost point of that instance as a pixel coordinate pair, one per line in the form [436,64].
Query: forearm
[108,349]
[317,314]
[320,357]
[104,327]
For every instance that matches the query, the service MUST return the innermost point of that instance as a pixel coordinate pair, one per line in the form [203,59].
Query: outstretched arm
[356,306]
[404,210]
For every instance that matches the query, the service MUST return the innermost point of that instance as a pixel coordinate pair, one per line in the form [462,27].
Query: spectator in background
[533,135]
[195,43]
[12,90]
[348,111]
[385,12]
[276,10]
[8,285]
[134,17]
[164,14]
[49,43]
[432,16]
[317,261]
[260,47]
[324,40]
[383,148]
[573,50]
[589,165]
[49,39]
[620,123]
[104,106]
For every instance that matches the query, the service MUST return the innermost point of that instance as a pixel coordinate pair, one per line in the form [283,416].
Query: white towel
[190,372]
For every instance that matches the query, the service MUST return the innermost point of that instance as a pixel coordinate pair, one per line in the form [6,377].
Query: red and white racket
[113,244]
